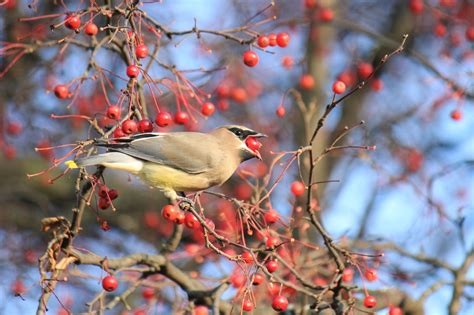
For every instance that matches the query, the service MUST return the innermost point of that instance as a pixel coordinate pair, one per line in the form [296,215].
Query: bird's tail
[110,159]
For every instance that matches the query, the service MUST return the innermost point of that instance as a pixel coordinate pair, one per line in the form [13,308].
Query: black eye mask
[242,134]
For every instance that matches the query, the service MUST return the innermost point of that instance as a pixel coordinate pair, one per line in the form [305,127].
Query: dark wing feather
[180,150]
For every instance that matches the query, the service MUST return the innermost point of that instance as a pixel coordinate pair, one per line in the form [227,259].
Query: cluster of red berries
[279,302]
[282,39]
[12,128]
[106,196]
[172,214]
[163,119]
[348,77]
[73,22]
[239,93]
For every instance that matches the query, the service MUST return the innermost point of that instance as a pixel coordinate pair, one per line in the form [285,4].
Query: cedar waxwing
[179,162]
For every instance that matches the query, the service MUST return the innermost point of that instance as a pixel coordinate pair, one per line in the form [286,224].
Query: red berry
[307,82]
[370,301]
[180,218]
[129,126]
[395,311]
[14,128]
[133,71]
[364,70]
[273,288]
[272,266]
[271,216]
[237,280]
[416,6]
[309,4]
[263,41]
[169,212]
[272,241]
[440,30]
[208,109]
[339,87]
[447,3]
[10,4]
[280,111]
[223,91]
[456,115]
[247,257]
[163,119]
[253,144]
[141,51]
[91,29]
[18,288]
[377,85]
[414,160]
[148,293]
[326,15]
[298,188]
[9,151]
[181,118]
[250,58]
[191,221]
[113,194]
[371,274]
[104,203]
[239,95]
[103,191]
[104,225]
[151,219]
[72,22]
[201,310]
[247,305]
[283,39]
[347,77]
[257,279]
[287,62]
[470,33]
[139,311]
[110,283]
[223,105]
[145,125]
[113,112]
[61,91]
[272,39]
[280,303]
[348,275]
[118,133]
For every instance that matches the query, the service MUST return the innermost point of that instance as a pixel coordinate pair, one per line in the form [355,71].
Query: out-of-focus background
[412,196]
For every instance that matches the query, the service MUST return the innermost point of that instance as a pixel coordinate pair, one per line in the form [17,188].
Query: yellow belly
[168,178]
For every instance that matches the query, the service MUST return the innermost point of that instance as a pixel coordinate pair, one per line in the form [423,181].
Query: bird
[178,162]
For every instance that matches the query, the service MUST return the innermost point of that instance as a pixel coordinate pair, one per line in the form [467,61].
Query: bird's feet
[185,203]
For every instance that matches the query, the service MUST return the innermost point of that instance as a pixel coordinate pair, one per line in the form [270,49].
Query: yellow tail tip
[71,164]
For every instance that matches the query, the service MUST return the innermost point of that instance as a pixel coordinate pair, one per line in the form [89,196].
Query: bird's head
[246,140]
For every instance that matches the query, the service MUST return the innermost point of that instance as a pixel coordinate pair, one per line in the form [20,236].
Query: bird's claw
[185,203]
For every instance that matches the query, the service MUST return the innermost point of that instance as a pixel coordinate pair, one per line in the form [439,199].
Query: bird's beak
[260,135]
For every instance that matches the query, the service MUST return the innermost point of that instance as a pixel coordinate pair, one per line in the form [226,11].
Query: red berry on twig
[163,119]
[110,283]
[91,29]
[250,58]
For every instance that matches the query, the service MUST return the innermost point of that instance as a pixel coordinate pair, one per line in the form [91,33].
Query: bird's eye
[238,132]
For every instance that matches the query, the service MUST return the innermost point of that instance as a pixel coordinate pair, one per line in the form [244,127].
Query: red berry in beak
[254,145]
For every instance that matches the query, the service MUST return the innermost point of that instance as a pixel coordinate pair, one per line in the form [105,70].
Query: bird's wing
[186,151]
